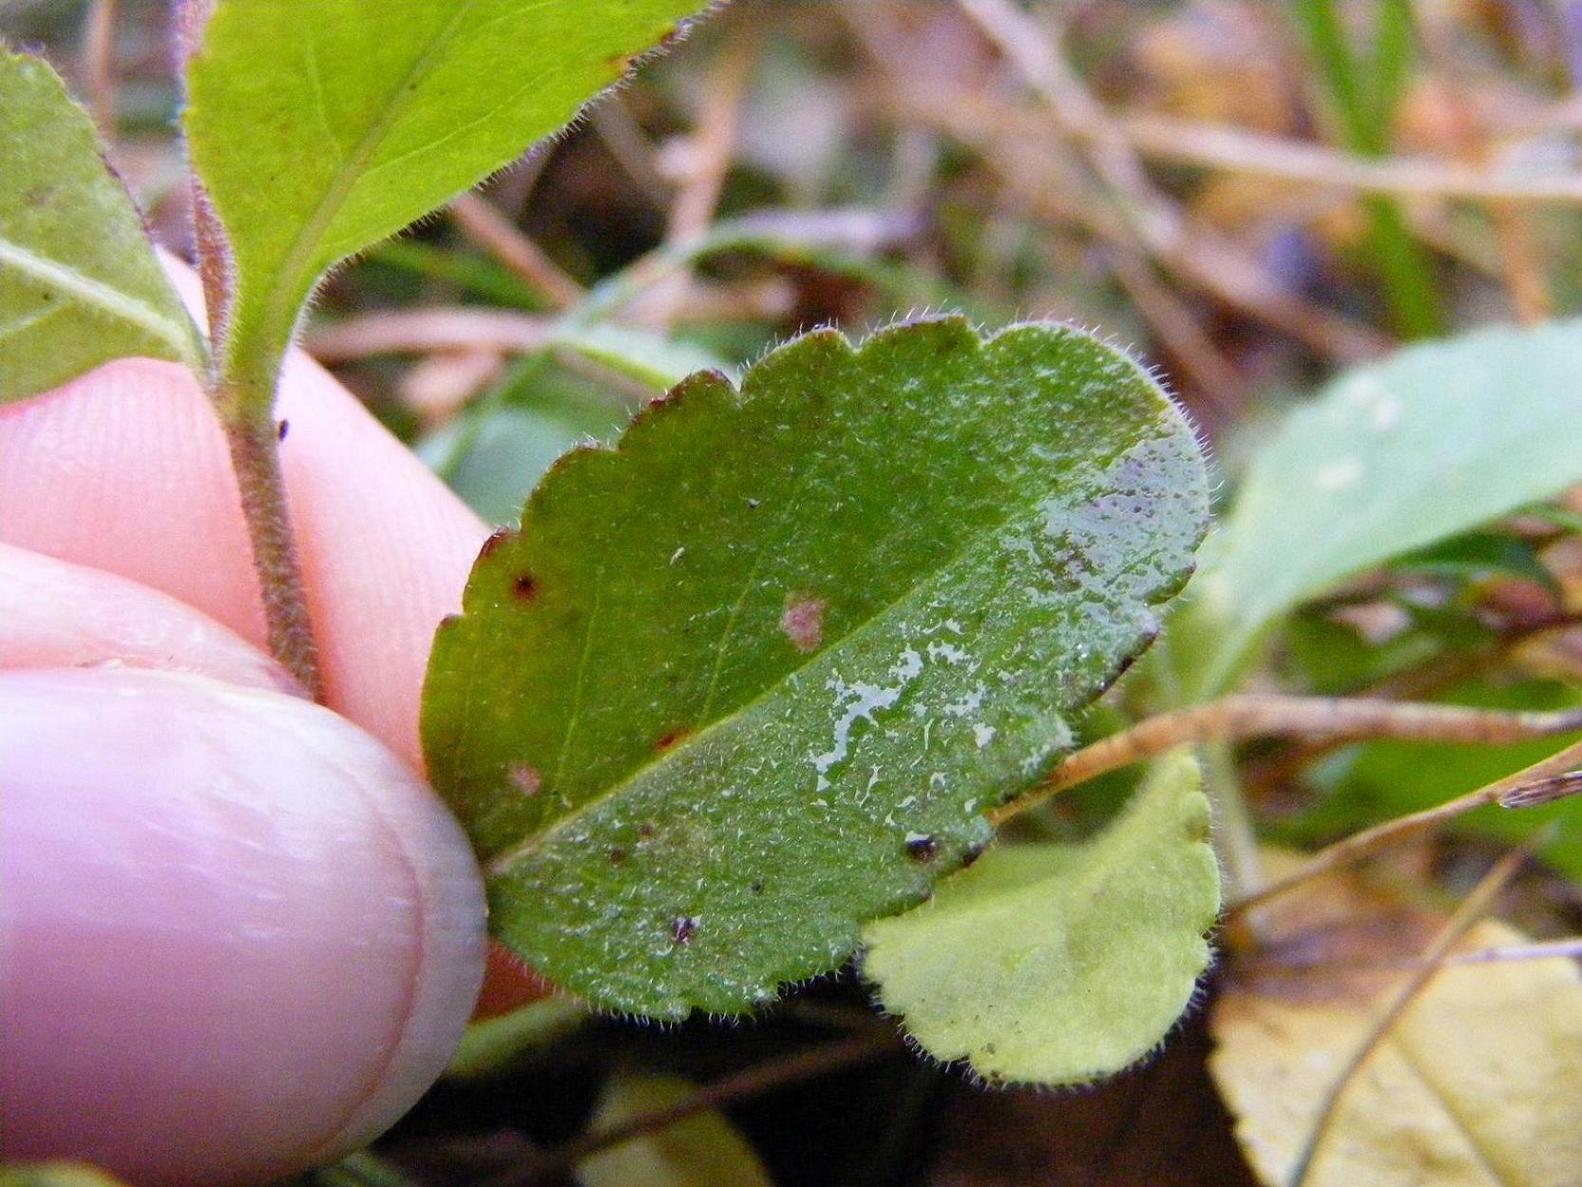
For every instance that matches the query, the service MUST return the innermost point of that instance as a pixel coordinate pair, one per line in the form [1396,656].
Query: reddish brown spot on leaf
[803,622]
[921,848]
[670,737]
[617,855]
[526,779]
[683,928]
[496,538]
[525,587]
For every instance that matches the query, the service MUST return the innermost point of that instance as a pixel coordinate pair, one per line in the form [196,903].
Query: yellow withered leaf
[1478,1084]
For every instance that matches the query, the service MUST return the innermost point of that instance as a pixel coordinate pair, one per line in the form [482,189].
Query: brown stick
[1302,965]
[98,66]
[1149,219]
[1550,775]
[1237,150]
[1251,715]
[713,142]
[424,331]
[743,1085]
[501,238]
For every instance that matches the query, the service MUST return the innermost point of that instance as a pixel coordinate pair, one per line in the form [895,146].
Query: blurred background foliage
[1252,196]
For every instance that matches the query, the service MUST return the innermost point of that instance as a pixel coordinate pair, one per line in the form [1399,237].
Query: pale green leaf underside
[753,676]
[702,1150]
[320,129]
[1057,964]
[79,283]
[1438,439]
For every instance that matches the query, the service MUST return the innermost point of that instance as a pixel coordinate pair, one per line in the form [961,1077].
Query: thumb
[240,937]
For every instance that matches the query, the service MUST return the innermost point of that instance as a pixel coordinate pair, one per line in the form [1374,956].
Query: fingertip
[61,615]
[126,470]
[241,937]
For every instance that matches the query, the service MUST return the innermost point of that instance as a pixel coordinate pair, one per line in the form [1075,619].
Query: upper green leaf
[753,676]
[1438,439]
[319,129]
[79,284]
[1058,964]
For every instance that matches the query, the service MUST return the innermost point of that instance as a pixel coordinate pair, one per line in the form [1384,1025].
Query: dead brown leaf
[1478,1084]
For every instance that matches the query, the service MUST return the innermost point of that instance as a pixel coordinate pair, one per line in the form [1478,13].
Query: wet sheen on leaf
[752,676]
[1058,964]
[79,284]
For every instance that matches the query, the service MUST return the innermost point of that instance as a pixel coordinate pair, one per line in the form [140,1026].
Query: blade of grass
[1363,97]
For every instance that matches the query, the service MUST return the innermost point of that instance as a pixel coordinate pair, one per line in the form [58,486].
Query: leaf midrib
[1474,1142]
[97,293]
[502,863]
[299,268]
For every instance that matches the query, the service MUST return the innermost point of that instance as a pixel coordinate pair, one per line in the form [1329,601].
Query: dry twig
[503,240]
[1255,715]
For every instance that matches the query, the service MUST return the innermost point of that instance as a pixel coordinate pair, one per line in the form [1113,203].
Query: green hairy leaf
[79,284]
[320,129]
[1057,964]
[1434,441]
[753,676]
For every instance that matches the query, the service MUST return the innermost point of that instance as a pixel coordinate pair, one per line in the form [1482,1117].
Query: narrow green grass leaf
[753,676]
[499,1044]
[320,129]
[1432,442]
[79,283]
[1057,964]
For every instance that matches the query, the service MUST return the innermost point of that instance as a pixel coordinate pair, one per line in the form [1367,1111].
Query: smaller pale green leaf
[1432,442]
[1057,964]
[79,283]
[320,129]
[700,1151]
[754,675]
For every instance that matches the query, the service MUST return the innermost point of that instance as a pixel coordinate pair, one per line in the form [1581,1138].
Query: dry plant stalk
[1244,716]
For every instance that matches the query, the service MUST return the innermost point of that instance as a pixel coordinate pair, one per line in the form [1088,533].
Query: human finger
[60,615]
[240,936]
[126,470]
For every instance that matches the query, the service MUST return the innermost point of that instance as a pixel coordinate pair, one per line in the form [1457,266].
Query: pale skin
[240,934]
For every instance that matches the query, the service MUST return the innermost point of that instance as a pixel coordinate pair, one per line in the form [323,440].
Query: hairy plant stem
[242,390]
[255,457]
[1235,838]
